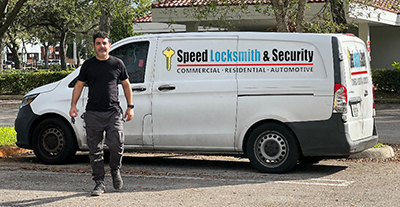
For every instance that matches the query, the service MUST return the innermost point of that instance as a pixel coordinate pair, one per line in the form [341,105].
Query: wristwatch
[131,106]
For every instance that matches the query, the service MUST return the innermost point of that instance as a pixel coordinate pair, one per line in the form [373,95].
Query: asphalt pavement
[182,180]
[388,123]
[8,111]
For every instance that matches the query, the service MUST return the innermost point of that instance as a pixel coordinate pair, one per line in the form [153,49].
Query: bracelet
[131,106]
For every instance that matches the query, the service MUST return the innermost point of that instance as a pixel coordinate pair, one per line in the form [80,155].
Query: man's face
[102,47]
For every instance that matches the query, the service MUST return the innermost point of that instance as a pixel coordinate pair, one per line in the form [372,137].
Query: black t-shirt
[102,78]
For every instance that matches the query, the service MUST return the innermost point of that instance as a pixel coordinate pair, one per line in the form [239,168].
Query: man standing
[103,112]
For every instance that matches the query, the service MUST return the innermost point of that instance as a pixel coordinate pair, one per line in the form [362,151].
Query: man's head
[102,45]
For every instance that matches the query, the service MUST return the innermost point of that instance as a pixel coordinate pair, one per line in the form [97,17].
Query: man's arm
[73,112]
[126,85]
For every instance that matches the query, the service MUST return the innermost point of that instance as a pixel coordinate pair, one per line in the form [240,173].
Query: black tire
[273,148]
[54,142]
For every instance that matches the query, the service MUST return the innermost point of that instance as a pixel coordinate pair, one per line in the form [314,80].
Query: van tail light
[373,96]
[340,99]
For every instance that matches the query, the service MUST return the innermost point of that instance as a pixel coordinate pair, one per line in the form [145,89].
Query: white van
[272,97]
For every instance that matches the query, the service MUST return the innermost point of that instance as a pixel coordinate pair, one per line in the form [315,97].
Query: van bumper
[328,138]
[365,143]
[23,123]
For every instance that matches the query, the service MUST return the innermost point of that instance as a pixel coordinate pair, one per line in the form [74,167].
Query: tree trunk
[46,55]
[301,8]
[63,49]
[2,46]
[105,23]
[14,52]
[14,47]
[338,13]
[280,16]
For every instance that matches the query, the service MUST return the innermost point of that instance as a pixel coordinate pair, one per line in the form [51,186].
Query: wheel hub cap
[271,148]
[52,141]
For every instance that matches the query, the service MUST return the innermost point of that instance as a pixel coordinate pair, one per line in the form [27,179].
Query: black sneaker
[99,188]
[117,179]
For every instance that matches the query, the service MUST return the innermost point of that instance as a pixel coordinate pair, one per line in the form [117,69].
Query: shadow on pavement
[41,201]
[148,173]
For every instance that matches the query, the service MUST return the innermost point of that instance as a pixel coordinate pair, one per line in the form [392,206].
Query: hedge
[15,82]
[386,80]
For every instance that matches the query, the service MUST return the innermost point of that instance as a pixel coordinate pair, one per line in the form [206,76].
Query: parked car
[8,64]
[55,62]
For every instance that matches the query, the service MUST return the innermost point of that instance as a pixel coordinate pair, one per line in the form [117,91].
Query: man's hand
[73,112]
[76,93]
[126,85]
[129,114]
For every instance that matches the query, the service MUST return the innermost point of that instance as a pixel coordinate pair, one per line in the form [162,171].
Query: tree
[62,19]
[116,16]
[8,12]
[47,39]
[289,14]
[13,44]
[121,22]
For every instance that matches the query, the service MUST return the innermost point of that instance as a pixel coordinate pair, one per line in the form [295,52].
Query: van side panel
[193,98]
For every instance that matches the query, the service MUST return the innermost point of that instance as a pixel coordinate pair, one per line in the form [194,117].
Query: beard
[101,53]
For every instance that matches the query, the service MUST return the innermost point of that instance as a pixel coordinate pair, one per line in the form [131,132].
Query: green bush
[396,65]
[386,80]
[21,81]
[8,136]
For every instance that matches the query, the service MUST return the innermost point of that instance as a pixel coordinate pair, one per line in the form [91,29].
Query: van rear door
[356,72]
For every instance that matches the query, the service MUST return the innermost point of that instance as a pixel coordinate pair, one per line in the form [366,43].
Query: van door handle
[139,88]
[355,100]
[365,93]
[166,88]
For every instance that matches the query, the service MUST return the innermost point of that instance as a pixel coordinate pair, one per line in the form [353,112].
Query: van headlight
[28,100]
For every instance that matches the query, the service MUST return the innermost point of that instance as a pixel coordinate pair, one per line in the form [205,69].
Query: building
[378,23]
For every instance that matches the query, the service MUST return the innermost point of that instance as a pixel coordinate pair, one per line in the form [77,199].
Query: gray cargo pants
[97,123]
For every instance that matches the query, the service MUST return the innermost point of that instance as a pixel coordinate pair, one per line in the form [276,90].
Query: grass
[8,136]
[379,145]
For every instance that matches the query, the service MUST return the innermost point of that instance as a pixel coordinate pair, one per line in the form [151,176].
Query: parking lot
[194,180]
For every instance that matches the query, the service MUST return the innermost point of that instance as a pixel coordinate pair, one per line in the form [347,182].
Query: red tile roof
[388,5]
[187,3]
[144,19]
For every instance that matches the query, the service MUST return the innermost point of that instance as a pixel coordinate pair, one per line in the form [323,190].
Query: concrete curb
[11,97]
[377,153]
[6,151]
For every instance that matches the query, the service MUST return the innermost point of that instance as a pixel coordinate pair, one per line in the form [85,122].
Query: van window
[134,56]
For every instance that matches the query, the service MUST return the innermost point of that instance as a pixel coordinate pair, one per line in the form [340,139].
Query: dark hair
[100,34]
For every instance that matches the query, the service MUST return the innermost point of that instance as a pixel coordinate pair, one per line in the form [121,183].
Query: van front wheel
[272,148]
[54,141]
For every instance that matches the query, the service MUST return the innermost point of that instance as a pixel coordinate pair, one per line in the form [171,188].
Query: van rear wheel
[273,148]
[54,141]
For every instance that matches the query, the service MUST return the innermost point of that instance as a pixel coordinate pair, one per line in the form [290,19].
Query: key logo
[168,52]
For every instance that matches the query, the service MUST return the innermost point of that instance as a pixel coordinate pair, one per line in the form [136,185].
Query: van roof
[271,35]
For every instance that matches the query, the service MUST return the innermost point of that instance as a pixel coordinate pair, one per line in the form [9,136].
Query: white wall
[385,46]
